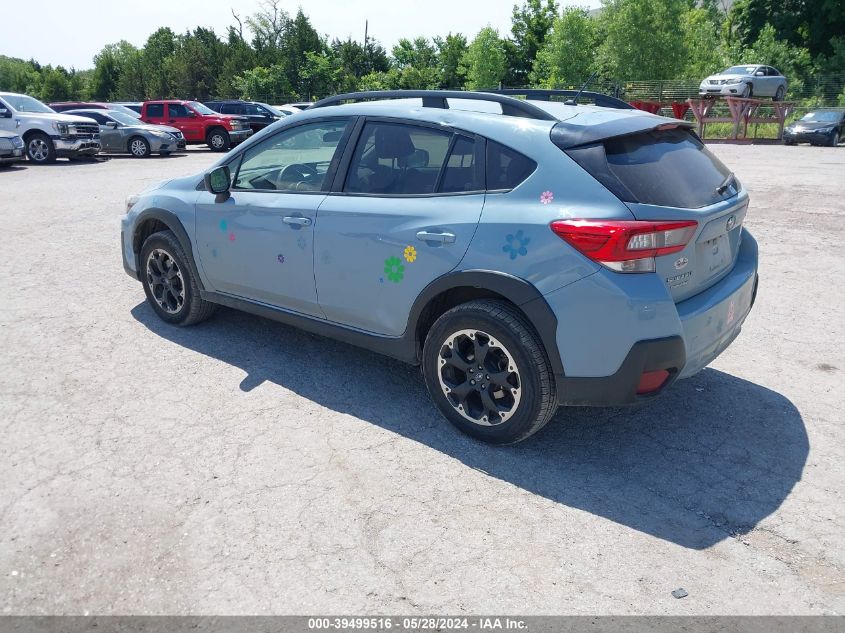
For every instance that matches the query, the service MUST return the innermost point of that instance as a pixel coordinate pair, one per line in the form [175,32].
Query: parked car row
[42,133]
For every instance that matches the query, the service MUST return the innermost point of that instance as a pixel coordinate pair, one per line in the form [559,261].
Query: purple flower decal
[281,259]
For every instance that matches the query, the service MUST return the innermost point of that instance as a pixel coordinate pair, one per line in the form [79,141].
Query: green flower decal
[394,269]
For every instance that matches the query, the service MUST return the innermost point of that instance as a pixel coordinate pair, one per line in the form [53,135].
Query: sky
[45,33]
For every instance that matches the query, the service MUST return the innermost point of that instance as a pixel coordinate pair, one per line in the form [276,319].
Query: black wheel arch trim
[173,223]
[520,292]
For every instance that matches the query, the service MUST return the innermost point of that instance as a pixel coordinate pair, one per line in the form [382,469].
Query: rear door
[405,214]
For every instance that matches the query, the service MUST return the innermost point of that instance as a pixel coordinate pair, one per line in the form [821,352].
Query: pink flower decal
[231,237]
[546,197]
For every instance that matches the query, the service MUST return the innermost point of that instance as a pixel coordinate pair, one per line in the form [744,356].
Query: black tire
[510,339]
[779,94]
[164,246]
[165,153]
[747,91]
[218,140]
[40,149]
[834,139]
[138,147]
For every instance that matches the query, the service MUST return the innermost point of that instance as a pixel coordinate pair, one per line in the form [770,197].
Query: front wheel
[218,140]
[169,284]
[747,91]
[139,147]
[488,373]
[40,149]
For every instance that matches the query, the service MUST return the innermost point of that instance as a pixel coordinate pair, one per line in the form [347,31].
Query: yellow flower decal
[410,254]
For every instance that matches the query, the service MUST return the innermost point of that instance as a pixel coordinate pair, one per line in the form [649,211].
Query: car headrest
[393,142]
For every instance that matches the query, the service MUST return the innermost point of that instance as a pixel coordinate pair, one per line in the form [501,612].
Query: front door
[408,210]
[258,243]
[178,115]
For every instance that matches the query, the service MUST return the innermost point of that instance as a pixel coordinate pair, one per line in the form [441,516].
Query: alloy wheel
[38,149]
[217,141]
[138,148]
[165,281]
[479,377]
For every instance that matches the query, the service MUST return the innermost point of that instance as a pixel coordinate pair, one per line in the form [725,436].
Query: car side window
[99,118]
[463,171]
[155,110]
[231,108]
[252,109]
[506,168]
[296,159]
[177,110]
[397,159]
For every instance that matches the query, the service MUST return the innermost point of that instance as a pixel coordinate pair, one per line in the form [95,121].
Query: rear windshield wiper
[725,184]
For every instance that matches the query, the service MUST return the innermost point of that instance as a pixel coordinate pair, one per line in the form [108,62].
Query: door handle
[443,238]
[297,220]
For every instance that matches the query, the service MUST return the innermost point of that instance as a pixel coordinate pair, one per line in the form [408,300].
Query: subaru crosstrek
[540,255]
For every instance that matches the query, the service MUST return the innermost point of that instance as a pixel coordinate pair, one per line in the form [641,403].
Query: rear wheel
[487,372]
[834,140]
[171,288]
[779,94]
[218,140]
[40,149]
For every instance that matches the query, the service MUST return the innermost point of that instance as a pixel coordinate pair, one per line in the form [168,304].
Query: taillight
[626,246]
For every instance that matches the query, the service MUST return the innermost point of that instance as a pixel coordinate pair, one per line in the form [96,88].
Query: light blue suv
[527,254]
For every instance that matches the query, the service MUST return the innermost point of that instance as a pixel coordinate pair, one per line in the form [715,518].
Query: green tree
[300,38]
[485,63]
[642,39]
[106,74]
[810,24]
[792,61]
[705,53]
[264,84]
[158,51]
[450,52]
[568,53]
[530,23]
[54,85]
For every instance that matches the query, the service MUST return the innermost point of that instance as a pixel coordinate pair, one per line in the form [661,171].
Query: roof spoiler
[569,133]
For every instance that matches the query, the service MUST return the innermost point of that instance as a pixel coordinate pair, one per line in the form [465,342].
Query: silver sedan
[121,133]
[749,80]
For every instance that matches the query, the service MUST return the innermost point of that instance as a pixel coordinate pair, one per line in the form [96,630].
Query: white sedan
[750,80]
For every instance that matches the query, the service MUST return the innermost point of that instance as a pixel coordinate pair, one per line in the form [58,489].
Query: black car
[260,115]
[819,127]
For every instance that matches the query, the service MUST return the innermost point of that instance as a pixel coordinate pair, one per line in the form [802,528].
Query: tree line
[273,55]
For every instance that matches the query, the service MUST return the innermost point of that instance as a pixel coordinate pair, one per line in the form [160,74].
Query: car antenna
[574,100]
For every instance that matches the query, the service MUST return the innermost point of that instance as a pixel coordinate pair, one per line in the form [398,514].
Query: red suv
[198,123]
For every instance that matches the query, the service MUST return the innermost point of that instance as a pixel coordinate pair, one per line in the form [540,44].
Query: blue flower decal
[516,244]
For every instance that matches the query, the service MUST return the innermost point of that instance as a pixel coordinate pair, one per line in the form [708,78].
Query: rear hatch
[666,173]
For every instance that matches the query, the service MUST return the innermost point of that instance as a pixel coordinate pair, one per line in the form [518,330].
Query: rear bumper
[612,328]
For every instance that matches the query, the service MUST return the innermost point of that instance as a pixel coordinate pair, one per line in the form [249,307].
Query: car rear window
[669,167]
[506,168]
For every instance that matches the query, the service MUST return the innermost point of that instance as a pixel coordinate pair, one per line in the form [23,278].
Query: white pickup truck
[47,134]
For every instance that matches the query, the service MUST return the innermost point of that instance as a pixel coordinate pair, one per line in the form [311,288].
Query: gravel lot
[243,466]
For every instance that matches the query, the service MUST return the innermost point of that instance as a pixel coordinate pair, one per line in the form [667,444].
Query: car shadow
[704,462]
[180,154]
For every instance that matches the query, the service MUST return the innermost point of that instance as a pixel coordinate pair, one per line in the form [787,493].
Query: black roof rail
[438,99]
[537,94]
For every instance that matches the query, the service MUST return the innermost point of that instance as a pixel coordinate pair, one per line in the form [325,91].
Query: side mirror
[759,73]
[218,180]
[192,114]
[5,113]
[111,124]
